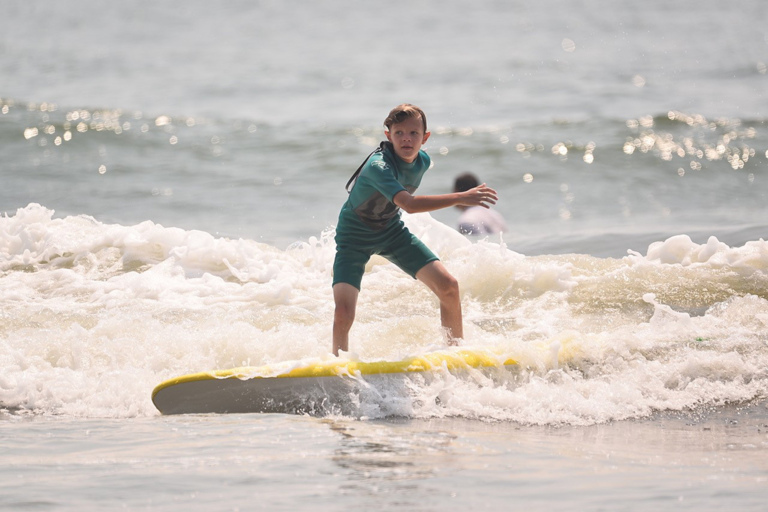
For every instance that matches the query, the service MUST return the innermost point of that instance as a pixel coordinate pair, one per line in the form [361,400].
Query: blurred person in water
[369,223]
[475,220]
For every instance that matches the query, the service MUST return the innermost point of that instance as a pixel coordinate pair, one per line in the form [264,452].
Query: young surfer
[369,223]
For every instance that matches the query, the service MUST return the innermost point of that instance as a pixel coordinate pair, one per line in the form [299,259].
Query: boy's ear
[389,138]
[426,136]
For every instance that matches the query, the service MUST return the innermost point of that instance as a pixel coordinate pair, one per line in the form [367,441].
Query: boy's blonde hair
[402,112]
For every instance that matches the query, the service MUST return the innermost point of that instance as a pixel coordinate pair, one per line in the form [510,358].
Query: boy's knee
[344,314]
[449,287]
[345,297]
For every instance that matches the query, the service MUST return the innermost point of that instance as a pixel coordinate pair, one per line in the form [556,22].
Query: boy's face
[407,138]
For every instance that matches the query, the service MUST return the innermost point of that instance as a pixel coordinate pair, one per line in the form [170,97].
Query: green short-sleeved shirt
[369,222]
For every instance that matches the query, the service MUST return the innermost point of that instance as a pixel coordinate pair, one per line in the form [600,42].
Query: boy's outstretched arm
[481,195]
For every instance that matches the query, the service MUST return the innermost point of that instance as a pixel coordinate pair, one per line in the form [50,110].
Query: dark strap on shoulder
[353,179]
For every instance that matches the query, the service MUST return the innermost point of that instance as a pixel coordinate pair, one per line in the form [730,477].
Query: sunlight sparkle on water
[713,141]
[568,45]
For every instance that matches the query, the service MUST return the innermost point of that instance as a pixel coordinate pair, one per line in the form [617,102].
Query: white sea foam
[95,315]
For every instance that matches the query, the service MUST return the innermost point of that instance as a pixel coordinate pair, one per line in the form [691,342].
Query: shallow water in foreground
[703,461]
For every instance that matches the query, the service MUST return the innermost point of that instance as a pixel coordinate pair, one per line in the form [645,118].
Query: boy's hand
[481,195]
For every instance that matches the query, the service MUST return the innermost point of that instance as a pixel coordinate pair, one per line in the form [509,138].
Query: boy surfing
[369,223]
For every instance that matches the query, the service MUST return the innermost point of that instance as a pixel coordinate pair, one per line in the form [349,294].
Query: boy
[369,223]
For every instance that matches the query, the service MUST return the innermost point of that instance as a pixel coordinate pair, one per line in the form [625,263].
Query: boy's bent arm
[479,196]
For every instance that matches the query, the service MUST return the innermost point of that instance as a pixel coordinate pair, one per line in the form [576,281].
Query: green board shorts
[396,244]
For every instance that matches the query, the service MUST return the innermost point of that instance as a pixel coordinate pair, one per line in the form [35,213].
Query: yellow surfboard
[301,387]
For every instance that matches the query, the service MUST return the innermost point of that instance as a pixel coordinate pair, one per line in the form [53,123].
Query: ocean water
[171,176]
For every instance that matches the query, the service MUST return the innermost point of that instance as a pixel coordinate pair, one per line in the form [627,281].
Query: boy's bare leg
[445,286]
[345,297]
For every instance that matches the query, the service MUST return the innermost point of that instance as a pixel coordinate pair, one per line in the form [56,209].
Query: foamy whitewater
[170,181]
[94,315]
